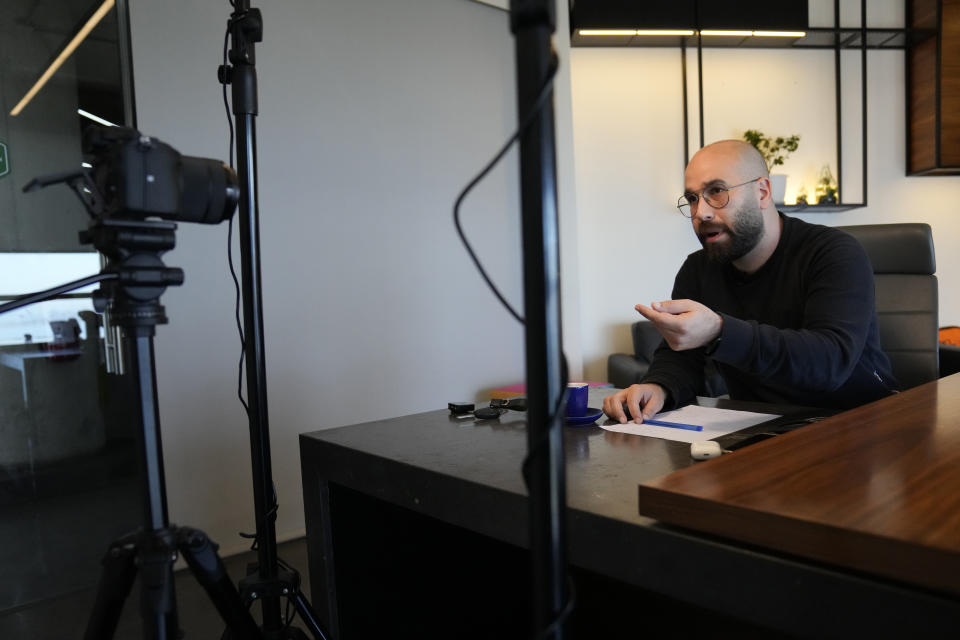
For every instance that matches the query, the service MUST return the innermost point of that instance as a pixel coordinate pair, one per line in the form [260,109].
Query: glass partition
[68,470]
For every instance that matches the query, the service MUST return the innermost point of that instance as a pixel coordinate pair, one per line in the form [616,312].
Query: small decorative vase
[778,182]
[830,198]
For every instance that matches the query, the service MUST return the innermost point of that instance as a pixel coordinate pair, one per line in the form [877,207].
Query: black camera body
[138,176]
[134,177]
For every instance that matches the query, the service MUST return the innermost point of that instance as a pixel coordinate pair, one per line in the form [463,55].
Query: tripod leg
[201,555]
[116,580]
[286,585]
[307,614]
[158,605]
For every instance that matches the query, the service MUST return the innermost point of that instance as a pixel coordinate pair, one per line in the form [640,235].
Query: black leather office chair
[907,303]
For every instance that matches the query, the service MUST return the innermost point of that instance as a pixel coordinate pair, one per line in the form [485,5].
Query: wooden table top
[875,489]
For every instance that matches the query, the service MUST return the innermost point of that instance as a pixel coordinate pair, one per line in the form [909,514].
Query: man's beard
[744,235]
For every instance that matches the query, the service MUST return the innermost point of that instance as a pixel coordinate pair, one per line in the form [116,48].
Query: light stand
[532,23]
[268,584]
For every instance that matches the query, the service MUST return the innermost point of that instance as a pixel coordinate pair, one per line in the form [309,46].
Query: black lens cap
[487,413]
[517,404]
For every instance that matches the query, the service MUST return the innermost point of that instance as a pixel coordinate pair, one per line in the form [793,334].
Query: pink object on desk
[515,390]
[522,388]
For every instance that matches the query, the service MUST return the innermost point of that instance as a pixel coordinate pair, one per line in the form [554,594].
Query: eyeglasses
[715,195]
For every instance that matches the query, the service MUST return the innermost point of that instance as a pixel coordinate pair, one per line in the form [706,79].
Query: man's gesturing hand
[641,400]
[684,324]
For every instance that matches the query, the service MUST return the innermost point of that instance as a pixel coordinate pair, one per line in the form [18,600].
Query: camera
[138,176]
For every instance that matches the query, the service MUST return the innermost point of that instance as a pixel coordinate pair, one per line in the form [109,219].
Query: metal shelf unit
[837,38]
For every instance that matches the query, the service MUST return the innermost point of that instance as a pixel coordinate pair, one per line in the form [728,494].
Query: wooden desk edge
[715,497]
[844,548]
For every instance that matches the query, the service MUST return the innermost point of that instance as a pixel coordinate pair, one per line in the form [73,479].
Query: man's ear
[765,192]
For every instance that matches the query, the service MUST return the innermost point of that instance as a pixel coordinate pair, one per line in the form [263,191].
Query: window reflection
[68,483]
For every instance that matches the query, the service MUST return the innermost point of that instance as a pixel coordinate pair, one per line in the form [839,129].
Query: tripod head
[133,250]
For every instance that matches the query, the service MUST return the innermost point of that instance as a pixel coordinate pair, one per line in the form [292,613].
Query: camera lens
[210,191]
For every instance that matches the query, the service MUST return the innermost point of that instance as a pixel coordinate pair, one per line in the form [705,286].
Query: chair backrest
[646,339]
[906,289]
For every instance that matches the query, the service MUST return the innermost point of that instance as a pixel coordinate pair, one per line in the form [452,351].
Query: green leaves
[774,151]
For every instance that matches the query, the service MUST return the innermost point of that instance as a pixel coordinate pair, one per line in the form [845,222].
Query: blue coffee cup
[577,399]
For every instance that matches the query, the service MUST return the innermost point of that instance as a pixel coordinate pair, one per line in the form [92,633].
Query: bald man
[784,308]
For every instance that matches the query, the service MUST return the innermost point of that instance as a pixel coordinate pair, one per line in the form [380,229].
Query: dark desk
[442,502]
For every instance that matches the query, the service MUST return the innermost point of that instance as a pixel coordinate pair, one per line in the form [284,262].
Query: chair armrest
[624,370]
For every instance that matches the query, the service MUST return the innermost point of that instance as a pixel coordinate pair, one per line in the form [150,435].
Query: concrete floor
[65,616]
[55,526]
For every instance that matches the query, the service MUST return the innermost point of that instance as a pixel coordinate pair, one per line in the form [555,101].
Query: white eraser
[705,449]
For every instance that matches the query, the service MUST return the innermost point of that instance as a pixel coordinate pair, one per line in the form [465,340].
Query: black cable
[550,629]
[541,445]
[243,344]
[233,272]
[539,448]
[545,92]
[275,505]
[223,83]
[271,513]
[40,296]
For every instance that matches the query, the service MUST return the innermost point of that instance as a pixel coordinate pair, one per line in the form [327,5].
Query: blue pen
[674,425]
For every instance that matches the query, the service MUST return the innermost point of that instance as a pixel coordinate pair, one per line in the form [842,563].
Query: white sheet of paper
[715,423]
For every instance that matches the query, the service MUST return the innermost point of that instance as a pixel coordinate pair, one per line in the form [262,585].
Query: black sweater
[801,330]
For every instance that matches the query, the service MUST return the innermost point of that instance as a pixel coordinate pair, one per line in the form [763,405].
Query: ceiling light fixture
[608,32]
[710,32]
[90,116]
[761,34]
[665,32]
[741,33]
[61,58]
[780,34]
[636,32]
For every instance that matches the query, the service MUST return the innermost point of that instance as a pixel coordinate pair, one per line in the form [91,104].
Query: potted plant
[774,151]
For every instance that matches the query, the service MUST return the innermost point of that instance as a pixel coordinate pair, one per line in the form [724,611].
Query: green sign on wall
[4,160]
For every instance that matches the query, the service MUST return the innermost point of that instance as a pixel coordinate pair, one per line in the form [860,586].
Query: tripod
[133,249]
[133,280]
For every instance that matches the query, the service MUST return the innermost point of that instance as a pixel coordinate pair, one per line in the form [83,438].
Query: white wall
[373,115]
[628,144]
